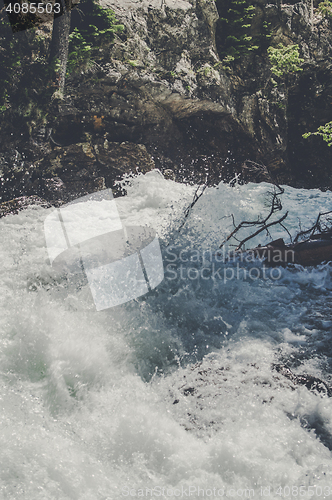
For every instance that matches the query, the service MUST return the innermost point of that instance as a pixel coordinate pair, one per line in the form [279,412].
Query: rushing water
[110,404]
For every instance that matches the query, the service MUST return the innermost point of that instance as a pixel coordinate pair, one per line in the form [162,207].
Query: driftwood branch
[275,206]
[285,228]
[264,225]
[316,227]
[260,230]
[196,197]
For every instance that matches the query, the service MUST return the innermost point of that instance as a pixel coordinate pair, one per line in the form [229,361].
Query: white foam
[81,417]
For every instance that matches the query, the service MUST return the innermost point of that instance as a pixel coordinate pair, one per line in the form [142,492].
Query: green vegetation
[133,63]
[80,51]
[285,60]
[10,60]
[235,30]
[23,67]
[324,131]
[227,60]
[206,71]
[93,28]
[25,76]
[325,8]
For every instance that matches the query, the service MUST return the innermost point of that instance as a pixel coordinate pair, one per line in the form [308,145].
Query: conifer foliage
[234,29]
[24,57]
[92,27]
[285,59]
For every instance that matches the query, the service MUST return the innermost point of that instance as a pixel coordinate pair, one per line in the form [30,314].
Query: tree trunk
[59,46]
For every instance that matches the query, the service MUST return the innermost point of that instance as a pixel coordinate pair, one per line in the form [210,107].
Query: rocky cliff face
[160,97]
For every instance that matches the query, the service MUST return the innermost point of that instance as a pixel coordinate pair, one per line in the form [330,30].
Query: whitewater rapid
[93,404]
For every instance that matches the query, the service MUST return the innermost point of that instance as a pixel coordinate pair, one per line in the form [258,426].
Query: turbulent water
[172,394]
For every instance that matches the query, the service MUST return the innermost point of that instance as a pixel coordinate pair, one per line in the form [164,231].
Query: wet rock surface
[17,204]
[208,394]
[68,172]
[311,383]
[162,90]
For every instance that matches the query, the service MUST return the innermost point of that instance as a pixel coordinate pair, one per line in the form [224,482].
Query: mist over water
[102,405]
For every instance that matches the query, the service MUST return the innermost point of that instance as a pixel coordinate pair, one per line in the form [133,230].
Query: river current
[173,394]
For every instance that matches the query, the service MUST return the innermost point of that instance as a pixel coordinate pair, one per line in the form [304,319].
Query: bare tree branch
[193,203]
[260,230]
[285,228]
[316,227]
[274,207]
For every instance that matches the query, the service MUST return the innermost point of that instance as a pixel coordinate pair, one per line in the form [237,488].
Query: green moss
[133,63]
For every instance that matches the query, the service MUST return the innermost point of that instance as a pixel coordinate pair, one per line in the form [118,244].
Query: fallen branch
[188,210]
[260,230]
[193,203]
[316,227]
[275,207]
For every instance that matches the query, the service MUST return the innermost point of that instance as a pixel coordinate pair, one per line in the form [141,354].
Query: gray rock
[162,84]
[17,204]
